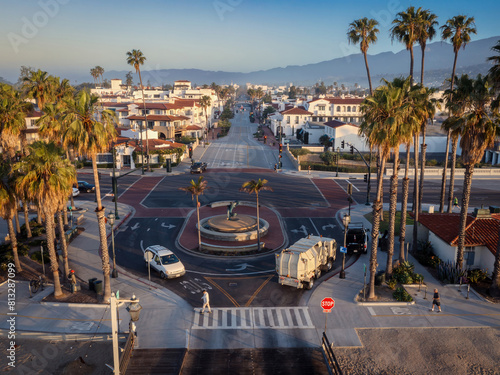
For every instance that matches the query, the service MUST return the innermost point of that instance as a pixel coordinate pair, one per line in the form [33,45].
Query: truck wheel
[329,265]
[310,284]
[318,273]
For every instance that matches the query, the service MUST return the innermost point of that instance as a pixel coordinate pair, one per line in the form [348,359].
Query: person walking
[206,302]
[436,301]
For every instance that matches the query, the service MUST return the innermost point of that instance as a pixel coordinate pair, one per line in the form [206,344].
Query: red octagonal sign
[327,303]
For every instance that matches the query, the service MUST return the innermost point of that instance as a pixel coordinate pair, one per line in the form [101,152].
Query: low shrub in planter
[400,294]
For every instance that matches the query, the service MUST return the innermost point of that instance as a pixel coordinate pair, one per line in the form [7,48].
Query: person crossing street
[206,302]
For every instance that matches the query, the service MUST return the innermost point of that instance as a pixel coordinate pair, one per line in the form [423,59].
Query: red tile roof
[167,118]
[355,101]
[193,127]
[34,113]
[296,111]
[478,232]
[164,106]
[336,124]
[113,104]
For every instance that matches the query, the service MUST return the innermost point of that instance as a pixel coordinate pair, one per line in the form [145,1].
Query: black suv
[199,167]
[357,238]
[85,187]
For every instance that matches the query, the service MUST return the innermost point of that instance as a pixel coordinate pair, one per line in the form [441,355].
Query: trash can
[168,166]
[380,278]
[98,287]
[91,283]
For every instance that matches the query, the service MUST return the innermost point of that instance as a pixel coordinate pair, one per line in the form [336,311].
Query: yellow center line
[258,290]
[74,320]
[223,291]
[433,314]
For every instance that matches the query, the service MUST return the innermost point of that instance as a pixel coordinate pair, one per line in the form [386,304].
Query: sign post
[327,304]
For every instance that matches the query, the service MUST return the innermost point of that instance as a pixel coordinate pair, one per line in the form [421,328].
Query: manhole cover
[233,284]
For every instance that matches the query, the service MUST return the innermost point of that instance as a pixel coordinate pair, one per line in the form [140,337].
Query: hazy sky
[232,35]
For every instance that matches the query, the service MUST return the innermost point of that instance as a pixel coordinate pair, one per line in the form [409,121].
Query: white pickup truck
[303,262]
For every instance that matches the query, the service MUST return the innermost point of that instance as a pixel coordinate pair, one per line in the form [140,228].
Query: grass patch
[384,225]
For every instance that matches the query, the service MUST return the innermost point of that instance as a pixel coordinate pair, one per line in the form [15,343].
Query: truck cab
[357,238]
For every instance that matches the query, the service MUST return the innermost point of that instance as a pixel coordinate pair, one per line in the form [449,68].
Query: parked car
[86,187]
[199,167]
[76,192]
[164,261]
[357,238]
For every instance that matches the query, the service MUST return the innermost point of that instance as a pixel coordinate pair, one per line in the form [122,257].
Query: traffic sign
[327,304]
[343,249]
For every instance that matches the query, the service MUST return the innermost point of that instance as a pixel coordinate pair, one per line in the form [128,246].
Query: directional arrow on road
[168,226]
[240,267]
[136,226]
[328,226]
[302,229]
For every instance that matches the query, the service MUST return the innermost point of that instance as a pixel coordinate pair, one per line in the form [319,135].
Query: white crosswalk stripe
[254,317]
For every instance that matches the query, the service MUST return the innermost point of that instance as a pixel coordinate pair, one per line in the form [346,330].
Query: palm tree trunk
[27,219]
[454,144]
[102,233]
[393,200]
[38,214]
[198,219]
[146,121]
[469,170]
[494,289]
[377,206]
[415,179]
[416,207]
[368,73]
[411,65]
[65,213]
[62,239]
[422,46]
[404,204]
[54,264]
[422,169]
[445,167]
[16,217]
[258,222]
[13,244]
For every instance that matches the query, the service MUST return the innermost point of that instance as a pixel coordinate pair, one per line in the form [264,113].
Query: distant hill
[347,70]
[3,80]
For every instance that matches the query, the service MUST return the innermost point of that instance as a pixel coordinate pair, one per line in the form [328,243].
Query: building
[335,108]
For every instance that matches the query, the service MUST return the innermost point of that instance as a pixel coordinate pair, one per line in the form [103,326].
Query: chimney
[482,213]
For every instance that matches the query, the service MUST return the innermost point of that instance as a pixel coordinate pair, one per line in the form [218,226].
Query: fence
[331,360]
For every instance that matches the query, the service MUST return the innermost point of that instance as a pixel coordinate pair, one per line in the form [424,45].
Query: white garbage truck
[301,263]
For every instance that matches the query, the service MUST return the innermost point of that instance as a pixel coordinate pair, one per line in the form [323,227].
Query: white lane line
[316,229]
[372,312]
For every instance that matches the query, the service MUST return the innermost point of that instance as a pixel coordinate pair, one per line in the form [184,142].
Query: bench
[79,219]
[69,234]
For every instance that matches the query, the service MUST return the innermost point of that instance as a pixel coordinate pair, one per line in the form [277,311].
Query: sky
[65,36]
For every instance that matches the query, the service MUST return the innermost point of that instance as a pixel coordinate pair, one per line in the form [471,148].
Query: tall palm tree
[205,103]
[196,189]
[458,30]
[256,187]
[380,112]
[38,85]
[363,31]
[406,29]
[136,59]
[89,136]
[426,31]
[95,75]
[494,72]
[478,130]
[46,177]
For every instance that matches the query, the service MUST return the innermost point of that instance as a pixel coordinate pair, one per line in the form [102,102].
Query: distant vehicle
[164,261]
[357,238]
[199,167]
[303,262]
[85,187]
[76,192]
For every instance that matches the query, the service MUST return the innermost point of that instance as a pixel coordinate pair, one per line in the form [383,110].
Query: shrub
[449,273]
[425,254]
[392,283]
[400,294]
[299,151]
[477,275]
[327,157]
[37,256]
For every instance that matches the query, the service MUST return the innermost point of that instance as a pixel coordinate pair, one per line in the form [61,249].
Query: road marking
[240,267]
[401,310]
[316,229]
[372,312]
[327,226]
[136,226]
[254,318]
[231,274]
[258,290]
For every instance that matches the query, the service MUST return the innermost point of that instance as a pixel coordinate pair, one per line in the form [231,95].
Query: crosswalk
[254,318]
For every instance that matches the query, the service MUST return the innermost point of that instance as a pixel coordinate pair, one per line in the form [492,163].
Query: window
[354,108]
[158,112]
[157,96]
[296,119]
[151,124]
[338,108]
[343,108]
[469,255]
[321,107]
[315,118]
[352,119]
[287,119]
[348,108]
[163,123]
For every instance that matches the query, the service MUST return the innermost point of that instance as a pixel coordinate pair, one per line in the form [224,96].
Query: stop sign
[327,303]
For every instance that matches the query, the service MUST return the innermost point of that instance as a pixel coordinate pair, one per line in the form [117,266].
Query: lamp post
[134,309]
[111,221]
[338,160]
[115,184]
[345,220]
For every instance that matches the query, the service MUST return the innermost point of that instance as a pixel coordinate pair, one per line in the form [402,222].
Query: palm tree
[494,72]
[46,177]
[458,29]
[136,59]
[95,75]
[380,112]
[89,136]
[494,289]
[363,31]
[196,189]
[477,130]
[205,103]
[426,32]
[38,85]
[256,187]
[100,72]
[405,30]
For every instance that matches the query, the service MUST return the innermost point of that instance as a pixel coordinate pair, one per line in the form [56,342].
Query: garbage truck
[300,264]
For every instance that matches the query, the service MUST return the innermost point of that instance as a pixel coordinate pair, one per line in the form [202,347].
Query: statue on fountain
[230,208]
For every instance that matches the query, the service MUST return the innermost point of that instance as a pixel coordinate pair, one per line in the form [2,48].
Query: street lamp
[345,220]
[115,184]
[111,221]
[134,309]
[338,160]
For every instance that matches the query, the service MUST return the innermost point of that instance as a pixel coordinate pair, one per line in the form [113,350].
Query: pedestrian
[275,167]
[309,170]
[206,302]
[436,301]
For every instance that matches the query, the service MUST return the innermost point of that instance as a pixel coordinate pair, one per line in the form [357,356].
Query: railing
[331,360]
[127,352]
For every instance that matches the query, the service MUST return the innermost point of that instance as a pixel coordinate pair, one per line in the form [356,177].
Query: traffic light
[281,148]
[352,149]
[342,144]
[365,178]
[280,156]
[190,152]
[265,138]
[335,158]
